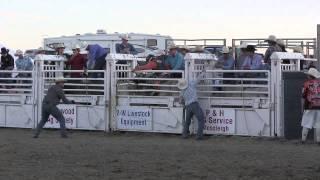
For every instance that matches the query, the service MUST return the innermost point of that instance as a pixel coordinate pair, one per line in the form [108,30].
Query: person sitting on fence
[311,105]
[189,97]
[49,106]
[175,61]
[273,47]
[96,59]
[23,64]
[77,62]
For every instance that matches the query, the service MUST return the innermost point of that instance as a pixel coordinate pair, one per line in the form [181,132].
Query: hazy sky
[23,24]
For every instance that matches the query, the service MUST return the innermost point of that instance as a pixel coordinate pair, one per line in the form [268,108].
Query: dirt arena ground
[96,155]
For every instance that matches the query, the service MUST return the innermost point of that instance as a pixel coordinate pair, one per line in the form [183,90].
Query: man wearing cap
[77,61]
[273,47]
[23,64]
[49,106]
[189,96]
[311,105]
[175,61]
[125,47]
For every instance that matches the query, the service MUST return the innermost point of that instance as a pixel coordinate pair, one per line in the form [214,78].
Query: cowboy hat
[18,52]
[225,50]
[77,46]
[4,50]
[281,42]
[297,49]
[182,84]
[172,46]
[59,45]
[251,48]
[313,72]
[125,37]
[198,49]
[243,45]
[59,79]
[271,38]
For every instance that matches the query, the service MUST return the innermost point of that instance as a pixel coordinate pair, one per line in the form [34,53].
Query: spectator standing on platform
[49,106]
[7,63]
[242,55]
[311,105]
[77,62]
[273,47]
[23,64]
[252,61]
[226,60]
[125,47]
[189,97]
[175,61]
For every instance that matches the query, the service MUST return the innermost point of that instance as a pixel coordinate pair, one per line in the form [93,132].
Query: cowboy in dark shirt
[49,106]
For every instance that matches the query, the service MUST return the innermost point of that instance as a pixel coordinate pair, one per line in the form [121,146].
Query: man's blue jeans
[194,109]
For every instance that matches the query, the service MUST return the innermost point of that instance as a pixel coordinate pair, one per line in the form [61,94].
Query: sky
[24,24]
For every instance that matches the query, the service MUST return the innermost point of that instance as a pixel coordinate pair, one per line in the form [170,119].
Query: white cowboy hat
[59,79]
[60,45]
[19,52]
[77,46]
[297,49]
[243,45]
[125,37]
[271,38]
[198,49]
[182,84]
[172,46]
[313,72]
[225,50]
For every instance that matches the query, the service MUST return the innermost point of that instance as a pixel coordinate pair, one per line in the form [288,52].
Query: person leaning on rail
[49,106]
[189,97]
[311,105]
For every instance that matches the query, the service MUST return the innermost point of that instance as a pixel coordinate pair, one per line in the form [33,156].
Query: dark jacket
[7,62]
[54,95]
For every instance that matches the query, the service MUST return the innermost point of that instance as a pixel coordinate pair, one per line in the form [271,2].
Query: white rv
[144,43]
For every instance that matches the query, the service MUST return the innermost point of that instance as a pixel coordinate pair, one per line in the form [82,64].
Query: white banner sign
[69,112]
[219,121]
[134,118]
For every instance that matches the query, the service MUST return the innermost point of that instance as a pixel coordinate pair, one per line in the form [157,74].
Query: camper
[145,44]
